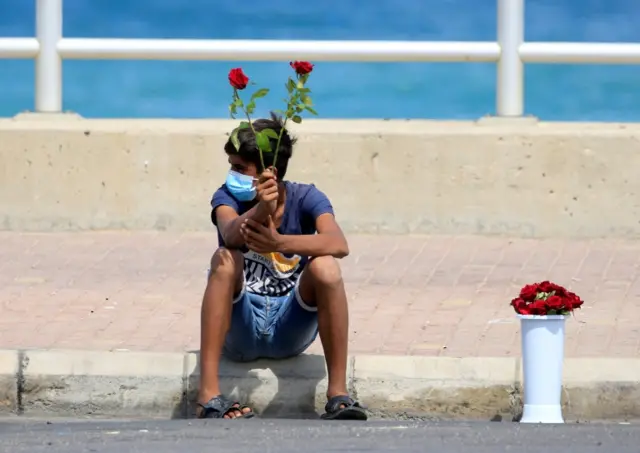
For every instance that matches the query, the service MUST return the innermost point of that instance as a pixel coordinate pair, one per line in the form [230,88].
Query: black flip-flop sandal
[219,406]
[352,409]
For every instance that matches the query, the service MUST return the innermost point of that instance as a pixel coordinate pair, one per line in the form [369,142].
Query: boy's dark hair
[249,149]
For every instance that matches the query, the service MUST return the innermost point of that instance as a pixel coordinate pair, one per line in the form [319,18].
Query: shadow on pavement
[288,388]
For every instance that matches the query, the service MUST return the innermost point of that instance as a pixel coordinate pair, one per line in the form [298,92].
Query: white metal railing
[510,52]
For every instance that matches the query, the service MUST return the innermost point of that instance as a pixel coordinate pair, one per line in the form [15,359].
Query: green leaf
[243,125]
[262,92]
[251,106]
[238,102]
[262,140]
[310,110]
[291,85]
[234,139]
[304,90]
[542,296]
[270,133]
[296,119]
[300,84]
[307,100]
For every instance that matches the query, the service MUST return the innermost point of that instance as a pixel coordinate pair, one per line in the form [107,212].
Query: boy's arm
[329,240]
[228,222]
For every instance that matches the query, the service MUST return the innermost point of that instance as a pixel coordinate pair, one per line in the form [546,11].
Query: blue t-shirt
[276,274]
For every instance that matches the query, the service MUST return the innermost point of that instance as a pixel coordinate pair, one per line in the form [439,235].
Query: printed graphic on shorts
[271,274]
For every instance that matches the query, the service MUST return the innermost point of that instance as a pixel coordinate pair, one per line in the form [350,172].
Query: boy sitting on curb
[274,281]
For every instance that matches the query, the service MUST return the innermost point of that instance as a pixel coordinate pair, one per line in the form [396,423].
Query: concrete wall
[518,178]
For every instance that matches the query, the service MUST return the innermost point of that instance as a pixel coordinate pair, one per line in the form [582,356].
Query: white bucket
[542,359]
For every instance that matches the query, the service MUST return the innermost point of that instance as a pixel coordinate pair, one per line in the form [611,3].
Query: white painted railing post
[48,62]
[510,80]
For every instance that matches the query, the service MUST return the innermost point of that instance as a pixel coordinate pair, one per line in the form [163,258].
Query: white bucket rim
[543,317]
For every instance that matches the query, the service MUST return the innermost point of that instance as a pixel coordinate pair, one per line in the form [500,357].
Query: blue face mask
[240,186]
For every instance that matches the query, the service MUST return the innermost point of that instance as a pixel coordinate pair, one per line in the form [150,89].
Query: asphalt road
[288,436]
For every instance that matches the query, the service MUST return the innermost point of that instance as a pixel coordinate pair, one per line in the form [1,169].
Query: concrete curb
[141,384]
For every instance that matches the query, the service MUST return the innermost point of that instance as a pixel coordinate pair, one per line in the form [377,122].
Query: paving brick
[419,295]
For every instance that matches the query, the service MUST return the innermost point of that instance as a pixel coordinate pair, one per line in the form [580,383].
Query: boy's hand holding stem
[267,195]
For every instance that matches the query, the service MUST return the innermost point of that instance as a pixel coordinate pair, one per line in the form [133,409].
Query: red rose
[573,301]
[546,286]
[539,307]
[556,303]
[301,67]
[558,290]
[520,306]
[238,79]
[529,292]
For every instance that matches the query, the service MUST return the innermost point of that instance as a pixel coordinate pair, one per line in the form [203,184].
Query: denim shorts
[270,327]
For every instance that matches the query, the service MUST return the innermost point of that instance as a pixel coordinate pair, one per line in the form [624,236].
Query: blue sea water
[340,90]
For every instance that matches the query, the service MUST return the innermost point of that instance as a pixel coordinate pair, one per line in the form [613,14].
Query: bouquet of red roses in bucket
[298,101]
[545,298]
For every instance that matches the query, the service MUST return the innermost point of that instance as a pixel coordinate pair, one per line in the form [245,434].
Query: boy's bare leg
[225,280]
[321,285]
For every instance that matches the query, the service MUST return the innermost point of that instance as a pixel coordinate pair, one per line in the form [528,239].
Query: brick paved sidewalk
[408,295]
